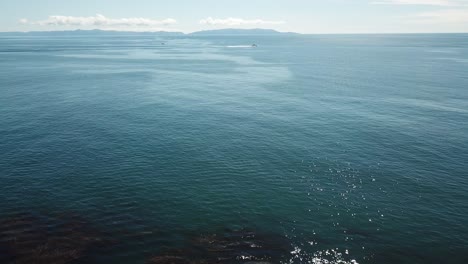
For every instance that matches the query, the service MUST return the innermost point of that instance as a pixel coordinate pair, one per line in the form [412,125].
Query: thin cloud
[237,22]
[23,21]
[443,16]
[100,21]
[419,2]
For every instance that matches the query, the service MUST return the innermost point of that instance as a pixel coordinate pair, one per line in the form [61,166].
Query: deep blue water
[355,144]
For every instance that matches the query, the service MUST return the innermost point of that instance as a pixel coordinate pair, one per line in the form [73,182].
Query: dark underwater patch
[229,246]
[36,239]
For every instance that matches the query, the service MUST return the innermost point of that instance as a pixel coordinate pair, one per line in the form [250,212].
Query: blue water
[352,148]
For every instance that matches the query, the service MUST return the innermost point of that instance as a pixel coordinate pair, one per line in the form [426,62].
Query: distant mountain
[94,32]
[98,32]
[233,31]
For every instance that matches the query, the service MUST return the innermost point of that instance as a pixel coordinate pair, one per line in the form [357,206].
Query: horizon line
[188,33]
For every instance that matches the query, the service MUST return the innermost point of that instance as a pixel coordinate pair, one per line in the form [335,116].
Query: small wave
[449,51]
[458,60]
[240,46]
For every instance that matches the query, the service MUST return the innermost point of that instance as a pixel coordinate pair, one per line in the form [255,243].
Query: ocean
[204,149]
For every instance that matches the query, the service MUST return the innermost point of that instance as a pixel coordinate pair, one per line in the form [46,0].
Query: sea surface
[305,149]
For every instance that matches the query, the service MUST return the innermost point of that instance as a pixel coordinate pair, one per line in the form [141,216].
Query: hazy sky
[305,16]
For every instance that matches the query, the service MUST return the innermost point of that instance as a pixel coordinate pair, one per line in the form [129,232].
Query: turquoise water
[350,148]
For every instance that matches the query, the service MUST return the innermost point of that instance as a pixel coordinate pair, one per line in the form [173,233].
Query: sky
[303,16]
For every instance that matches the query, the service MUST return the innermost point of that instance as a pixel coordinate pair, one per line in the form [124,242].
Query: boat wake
[240,46]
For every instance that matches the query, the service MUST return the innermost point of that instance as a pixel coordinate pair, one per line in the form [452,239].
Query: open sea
[319,149]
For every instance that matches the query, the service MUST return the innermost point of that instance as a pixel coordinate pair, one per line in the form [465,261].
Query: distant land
[92,32]
[233,31]
[217,32]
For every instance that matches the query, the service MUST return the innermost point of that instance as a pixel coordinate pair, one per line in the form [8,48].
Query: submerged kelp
[230,246]
[172,260]
[69,238]
[34,238]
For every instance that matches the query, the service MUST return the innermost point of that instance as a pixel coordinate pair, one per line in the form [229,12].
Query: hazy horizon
[301,16]
[206,30]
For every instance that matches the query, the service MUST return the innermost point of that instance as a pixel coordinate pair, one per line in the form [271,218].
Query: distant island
[216,32]
[234,31]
